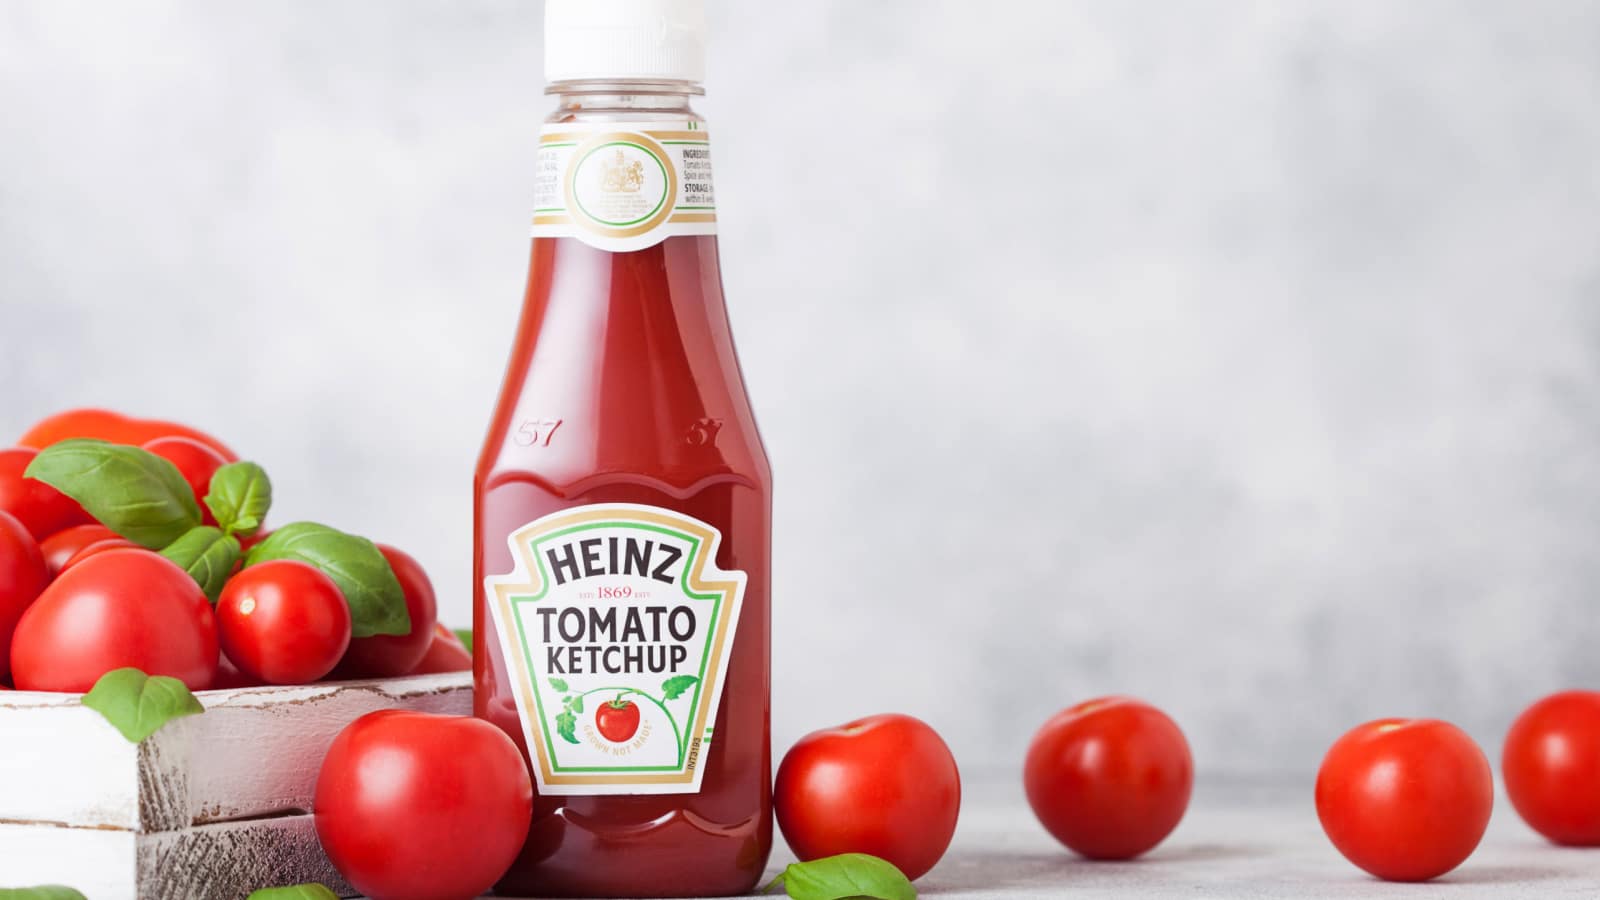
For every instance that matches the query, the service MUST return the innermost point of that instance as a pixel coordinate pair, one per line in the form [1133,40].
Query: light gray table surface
[1240,840]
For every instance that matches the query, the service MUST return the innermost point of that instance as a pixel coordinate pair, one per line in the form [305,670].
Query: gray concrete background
[1242,356]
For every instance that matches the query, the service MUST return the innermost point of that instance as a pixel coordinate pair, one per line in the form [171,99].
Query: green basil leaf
[567,726]
[42,892]
[377,602]
[843,876]
[207,555]
[131,491]
[240,495]
[559,684]
[137,704]
[674,687]
[297,892]
[464,635]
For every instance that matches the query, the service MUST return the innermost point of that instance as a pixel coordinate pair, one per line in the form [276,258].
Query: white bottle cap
[624,40]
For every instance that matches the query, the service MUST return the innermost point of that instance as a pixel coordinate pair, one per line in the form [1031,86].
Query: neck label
[624,186]
[616,626]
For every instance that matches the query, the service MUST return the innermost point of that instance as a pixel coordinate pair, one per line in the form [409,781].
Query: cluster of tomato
[78,599]
[1108,778]
[1410,799]
[1403,799]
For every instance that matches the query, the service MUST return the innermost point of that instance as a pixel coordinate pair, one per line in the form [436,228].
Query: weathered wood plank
[225,861]
[255,752]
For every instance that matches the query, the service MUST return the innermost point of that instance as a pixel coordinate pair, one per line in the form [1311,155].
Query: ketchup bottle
[623,497]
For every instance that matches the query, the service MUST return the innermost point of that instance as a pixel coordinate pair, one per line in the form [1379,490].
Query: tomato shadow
[1471,874]
[998,869]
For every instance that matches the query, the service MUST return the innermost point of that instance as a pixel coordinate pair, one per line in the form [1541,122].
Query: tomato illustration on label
[617,721]
[617,625]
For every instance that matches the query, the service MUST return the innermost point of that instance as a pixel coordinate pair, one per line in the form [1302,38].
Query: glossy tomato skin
[61,546]
[1551,765]
[445,654]
[105,425]
[196,462]
[110,543]
[229,677]
[412,806]
[23,576]
[123,607]
[1109,778]
[385,655]
[1405,799]
[41,509]
[617,720]
[283,622]
[885,785]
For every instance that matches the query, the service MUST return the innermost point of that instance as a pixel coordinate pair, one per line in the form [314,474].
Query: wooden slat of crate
[254,753]
[223,861]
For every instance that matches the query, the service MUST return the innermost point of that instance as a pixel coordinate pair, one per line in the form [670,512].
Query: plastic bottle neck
[625,96]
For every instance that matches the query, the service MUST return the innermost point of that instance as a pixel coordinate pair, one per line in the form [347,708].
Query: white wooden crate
[211,806]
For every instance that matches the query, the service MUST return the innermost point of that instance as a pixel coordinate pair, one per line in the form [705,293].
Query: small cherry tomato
[1405,799]
[123,607]
[1109,778]
[412,806]
[196,462]
[111,543]
[1551,764]
[105,425]
[384,655]
[40,508]
[283,622]
[60,547]
[617,720]
[23,576]
[445,654]
[885,785]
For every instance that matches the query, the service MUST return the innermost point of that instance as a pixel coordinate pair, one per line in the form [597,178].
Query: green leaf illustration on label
[620,624]
[674,687]
[566,726]
[845,876]
[131,491]
[137,704]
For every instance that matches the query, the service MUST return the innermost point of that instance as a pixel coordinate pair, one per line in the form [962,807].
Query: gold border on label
[632,137]
[522,541]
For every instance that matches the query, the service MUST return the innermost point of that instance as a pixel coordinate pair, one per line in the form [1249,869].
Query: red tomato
[111,543]
[617,720]
[383,655]
[120,608]
[1405,799]
[229,677]
[283,622]
[1109,778]
[1551,764]
[412,806]
[245,543]
[445,654]
[105,425]
[42,509]
[195,461]
[23,575]
[885,785]
[60,547]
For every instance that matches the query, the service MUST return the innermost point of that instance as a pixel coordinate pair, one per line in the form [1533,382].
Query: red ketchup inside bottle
[623,510]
